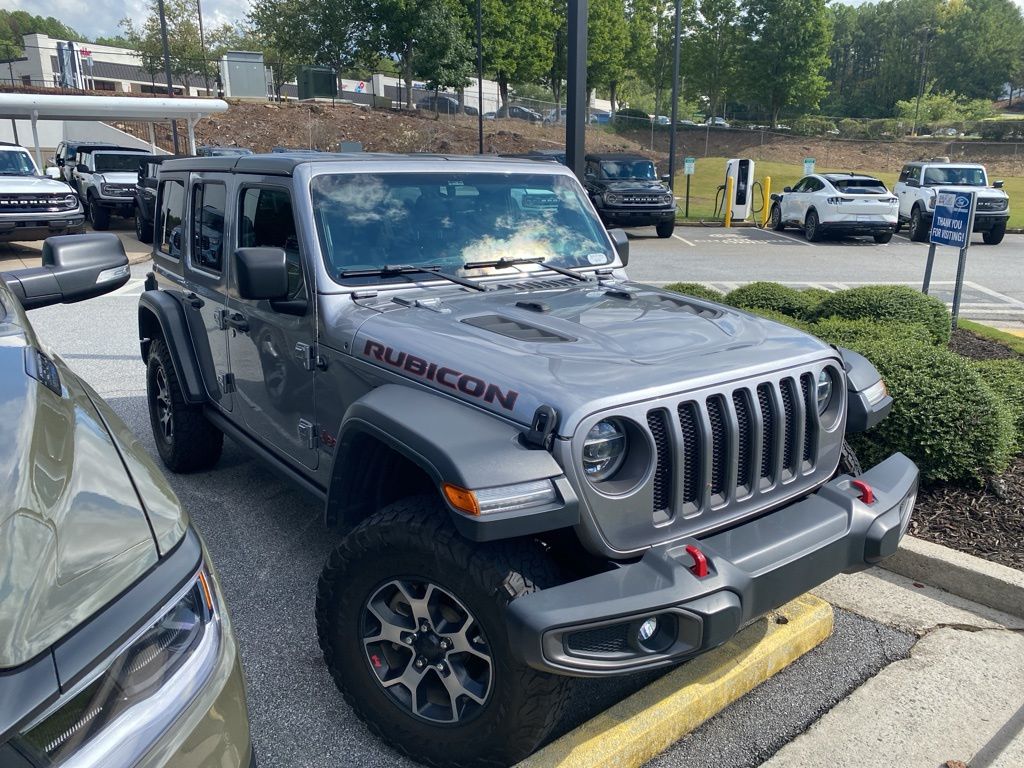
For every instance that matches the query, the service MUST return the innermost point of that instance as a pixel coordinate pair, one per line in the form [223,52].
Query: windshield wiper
[503,262]
[389,270]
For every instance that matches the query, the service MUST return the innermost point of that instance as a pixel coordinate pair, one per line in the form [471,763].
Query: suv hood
[32,185]
[631,185]
[580,349]
[74,532]
[983,192]
[119,177]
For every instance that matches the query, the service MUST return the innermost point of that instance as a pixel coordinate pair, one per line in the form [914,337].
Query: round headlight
[824,391]
[70,201]
[612,198]
[604,450]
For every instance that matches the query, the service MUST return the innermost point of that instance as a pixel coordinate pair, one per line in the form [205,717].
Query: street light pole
[202,47]
[167,67]
[576,87]
[675,102]
[480,74]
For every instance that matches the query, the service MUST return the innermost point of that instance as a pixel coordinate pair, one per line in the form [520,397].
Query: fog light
[647,630]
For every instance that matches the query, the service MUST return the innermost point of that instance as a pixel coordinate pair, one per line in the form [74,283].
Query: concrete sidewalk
[958,697]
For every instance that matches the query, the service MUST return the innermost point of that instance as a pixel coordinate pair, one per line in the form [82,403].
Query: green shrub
[853,333]
[852,129]
[697,290]
[944,417]
[813,125]
[889,303]
[779,317]
[814,297]
[772,296]
[1006,379]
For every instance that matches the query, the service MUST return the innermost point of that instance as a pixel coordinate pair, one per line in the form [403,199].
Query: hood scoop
[686,306]
[515,329]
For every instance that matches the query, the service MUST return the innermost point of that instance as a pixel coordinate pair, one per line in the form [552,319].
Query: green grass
[1015,343]
[709,174]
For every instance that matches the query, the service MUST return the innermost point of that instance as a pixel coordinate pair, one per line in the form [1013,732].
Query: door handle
[194,301]
[237,321]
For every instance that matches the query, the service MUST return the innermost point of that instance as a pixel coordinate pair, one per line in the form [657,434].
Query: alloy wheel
[163,405]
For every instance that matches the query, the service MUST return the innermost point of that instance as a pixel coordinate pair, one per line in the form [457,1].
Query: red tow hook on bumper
[700,562]
[867,495]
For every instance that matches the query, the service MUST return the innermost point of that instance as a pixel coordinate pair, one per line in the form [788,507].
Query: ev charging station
[740,192]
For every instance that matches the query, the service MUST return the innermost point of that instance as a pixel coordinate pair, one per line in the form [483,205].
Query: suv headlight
[115,714]
[70,201]
[604,450]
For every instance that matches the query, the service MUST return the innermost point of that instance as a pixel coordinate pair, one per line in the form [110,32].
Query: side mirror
[82,168]
[998,184]
[75,268]
[621,243]
[787,189]
[52,172]
[666,178]
[262,273]
[912,183]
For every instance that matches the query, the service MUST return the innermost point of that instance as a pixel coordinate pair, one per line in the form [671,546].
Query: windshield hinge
[309,434]
[308,356]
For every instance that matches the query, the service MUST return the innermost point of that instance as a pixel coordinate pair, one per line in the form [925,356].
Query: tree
[324,33]
[518,41]
[712,48]
[786,44]
[979,47]
[607,44]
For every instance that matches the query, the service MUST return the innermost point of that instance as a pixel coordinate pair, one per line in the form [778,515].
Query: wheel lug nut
[445,644]
[408,639]
[424,627]
[418,663]
[440,667]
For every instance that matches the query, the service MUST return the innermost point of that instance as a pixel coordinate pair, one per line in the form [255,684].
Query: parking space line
[677,237]
[794,238]
[994,294]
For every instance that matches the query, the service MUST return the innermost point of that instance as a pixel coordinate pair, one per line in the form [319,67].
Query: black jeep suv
[627,192]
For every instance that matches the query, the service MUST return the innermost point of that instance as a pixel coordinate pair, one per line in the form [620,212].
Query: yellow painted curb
[1013,331]
[648,722]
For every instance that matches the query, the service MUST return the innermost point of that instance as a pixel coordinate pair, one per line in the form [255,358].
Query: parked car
[104,180]
[444,104]
[687,123]
[662,120]
[116,647]
[145,195]
[552,155]
[918,186]
[572,475]
[562,114]
[627,192]
[600,118]
[836,203]
[212,151]
[518,112]
[717,122]
[64,157]
[33,206]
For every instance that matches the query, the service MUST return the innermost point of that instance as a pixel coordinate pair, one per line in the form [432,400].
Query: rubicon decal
[448,377]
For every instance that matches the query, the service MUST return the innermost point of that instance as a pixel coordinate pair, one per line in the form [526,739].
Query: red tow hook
[866,494]
[700,563]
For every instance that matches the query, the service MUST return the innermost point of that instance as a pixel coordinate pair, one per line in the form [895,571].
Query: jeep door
[206,276]
[271,343]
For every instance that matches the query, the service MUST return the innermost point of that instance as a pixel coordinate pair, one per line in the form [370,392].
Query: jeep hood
[32,185]
[74,533]
[579,349]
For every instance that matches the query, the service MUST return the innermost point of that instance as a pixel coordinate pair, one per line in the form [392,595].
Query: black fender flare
[452,442]
[160,312]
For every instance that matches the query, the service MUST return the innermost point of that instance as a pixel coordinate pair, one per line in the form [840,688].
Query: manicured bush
[853,333]
[771,296]
[889,303]
[814,297]
[813,125]
[696,290]
[1006,379]
[779,317]
[944,416]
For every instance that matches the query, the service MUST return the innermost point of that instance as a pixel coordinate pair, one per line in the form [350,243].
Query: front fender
[160,314]
[452,443]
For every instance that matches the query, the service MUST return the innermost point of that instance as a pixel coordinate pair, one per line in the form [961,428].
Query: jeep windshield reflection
[446,220]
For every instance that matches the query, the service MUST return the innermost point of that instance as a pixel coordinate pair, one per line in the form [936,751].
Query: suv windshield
[16,163]
[952,174]
[628,169]
[367,221]
[107,162]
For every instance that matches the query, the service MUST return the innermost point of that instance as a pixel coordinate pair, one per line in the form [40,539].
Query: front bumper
[637,218]
[34,226]
[588,628]
[983,222]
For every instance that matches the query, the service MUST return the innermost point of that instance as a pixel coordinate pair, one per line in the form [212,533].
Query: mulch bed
[985,522]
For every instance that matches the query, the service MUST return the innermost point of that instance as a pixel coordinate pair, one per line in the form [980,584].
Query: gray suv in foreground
[538,469]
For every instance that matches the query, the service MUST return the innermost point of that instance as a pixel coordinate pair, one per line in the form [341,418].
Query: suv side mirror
[82,168]
[998,184]
[912,183]
[787,189]
[262,273]
[621,243]
[75,268]
[52,172]
[667,178]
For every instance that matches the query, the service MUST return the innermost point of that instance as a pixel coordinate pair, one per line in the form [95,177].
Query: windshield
[16,164]
[968,177]
[107,162]
[860,186]
[448,219]
[628,169]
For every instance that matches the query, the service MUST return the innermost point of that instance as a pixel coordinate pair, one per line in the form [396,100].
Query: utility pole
[576,87]
[167,68]
[675,103]
[480,74]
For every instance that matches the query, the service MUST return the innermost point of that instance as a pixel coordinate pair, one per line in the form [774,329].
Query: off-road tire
[665,228]
[414,539]
[994,236]
[194,443]
[143,228]
[775,218]
[849,464]
[916,229]
[99,216]
[812,227]
[883,237]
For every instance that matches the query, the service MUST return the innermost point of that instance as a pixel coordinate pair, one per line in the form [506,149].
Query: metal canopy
[39,106]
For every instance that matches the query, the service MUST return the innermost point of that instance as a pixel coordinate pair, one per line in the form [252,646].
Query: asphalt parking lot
[268,544]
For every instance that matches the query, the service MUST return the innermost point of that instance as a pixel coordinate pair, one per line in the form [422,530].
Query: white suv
[32,206]
[839,203]
[918,186]
[105,179]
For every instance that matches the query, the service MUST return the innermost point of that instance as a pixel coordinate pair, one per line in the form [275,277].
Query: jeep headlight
[604,450]
[613,198]
[824,390]
[113,716]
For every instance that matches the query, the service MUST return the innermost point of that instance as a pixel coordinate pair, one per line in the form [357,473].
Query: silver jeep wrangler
[539,469]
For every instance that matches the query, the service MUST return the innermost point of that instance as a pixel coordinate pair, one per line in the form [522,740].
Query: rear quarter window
[170,215]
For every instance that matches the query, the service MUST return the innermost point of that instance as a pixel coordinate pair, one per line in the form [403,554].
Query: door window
[171,216]
[265,220]
[208,206]
[801,186]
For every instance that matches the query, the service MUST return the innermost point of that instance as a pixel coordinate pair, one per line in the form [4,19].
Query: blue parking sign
[951,224]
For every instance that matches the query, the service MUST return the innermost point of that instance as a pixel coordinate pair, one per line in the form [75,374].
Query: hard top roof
[108,148]
[615,156]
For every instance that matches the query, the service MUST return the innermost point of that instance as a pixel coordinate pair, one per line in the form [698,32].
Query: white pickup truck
[919,184]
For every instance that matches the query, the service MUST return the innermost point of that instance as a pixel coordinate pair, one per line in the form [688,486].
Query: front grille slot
[789,420]
[810,408]
[767,403]
[657,422]
[691,452]
[719,445]
[745,438]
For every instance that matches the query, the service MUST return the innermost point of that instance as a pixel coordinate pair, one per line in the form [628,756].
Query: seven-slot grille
[734,445]
[35,203]
[632,198]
